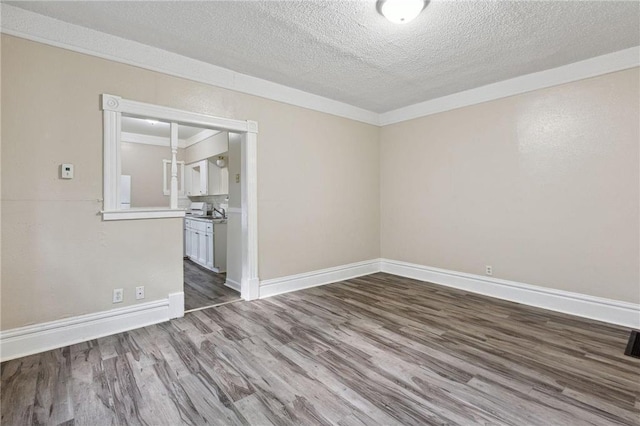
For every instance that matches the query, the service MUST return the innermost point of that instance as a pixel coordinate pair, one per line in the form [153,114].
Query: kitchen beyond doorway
[204,288]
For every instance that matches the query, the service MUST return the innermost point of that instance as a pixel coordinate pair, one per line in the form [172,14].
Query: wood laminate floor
[205,288]
[376,350]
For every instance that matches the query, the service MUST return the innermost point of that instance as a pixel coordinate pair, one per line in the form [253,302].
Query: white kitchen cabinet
[197,178]
[210,248]
[192,239]
[202,249]
[205,178]
[195,245]
[187,238]
[199,243]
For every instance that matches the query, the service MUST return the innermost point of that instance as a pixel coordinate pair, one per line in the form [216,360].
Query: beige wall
[144,164]
[216,144]
[543,186]
[318,187]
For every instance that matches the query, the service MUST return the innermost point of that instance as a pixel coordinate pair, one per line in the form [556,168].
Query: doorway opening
[211,236]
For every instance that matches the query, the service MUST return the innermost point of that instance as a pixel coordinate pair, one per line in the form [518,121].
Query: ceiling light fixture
[221,162]
[401,11]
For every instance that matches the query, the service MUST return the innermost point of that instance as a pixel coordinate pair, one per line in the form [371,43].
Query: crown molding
[599,65]
[32,26]
[43,29]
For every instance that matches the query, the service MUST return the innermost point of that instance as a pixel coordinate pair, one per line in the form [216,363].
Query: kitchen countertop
[206,219]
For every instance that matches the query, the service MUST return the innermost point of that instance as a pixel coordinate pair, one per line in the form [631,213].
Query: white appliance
[125,192]
[198,208]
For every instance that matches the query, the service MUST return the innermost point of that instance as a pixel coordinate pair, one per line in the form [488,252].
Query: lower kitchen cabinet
[208,242]
[202,246]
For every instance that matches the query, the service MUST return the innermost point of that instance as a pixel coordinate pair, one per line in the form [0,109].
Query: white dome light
[400,11]
[221,162]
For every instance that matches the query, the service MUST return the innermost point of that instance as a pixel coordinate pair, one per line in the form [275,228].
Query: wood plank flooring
[205,288]
[376,350]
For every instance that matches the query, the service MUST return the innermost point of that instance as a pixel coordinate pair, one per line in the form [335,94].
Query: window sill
[132,214]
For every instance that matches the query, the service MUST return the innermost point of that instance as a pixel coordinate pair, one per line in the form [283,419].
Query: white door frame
[114,106]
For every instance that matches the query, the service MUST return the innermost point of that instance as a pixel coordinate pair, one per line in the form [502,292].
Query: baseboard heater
[633,347]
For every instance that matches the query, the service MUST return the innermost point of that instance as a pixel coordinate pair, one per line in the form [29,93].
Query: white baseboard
[581,305]
[42,337]
[315,278]
[37,338]
[233,285]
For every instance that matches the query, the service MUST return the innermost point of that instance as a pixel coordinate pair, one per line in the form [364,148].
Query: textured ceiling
[344,50]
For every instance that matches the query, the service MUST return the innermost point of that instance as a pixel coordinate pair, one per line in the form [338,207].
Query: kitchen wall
[234,223]
[144,164]
[60,259]
[542,186]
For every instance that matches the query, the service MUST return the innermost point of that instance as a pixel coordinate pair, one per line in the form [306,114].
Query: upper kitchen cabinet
[206,154]
[207,177]
[196,178]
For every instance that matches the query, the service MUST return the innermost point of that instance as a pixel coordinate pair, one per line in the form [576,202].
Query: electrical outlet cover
[118,295]
[140,292]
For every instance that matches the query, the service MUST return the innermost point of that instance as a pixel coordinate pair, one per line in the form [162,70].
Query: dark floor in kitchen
[204,288]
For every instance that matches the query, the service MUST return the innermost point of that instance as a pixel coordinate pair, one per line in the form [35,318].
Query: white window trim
[114,106]
[142,213]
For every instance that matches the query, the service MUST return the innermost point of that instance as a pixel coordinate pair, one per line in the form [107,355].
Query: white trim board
[290,283]
[43,29]
[581,305]
[142,213]
[37,338]
[23,341]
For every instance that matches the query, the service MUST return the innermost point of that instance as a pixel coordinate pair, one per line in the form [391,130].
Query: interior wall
[234,222]
[144,164]
[318,186]
[543,186]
